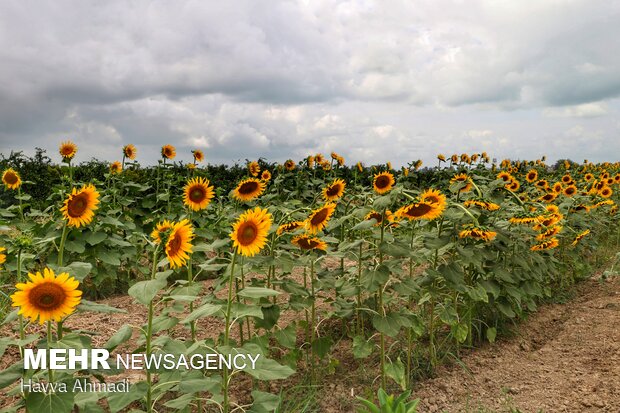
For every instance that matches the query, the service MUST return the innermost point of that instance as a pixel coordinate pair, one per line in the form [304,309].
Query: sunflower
[249,189]
[420,210]
[549,197]
[465,158]
[129,151]
[179,246]
[546,245]
[289,165]
[168,152]
[551,232]
[478,233]
[523,220]
[548,220]
[542,184]
[161,230]
[340,161]
[580,236]
[310,161]
[334,190]
[570,190]
[566,178]
[505,176]
[326,165]
[405,171]
[513,186]
[418,164]
[454,158]
[290,226]
[588,177]
[617,178]
[531,176]
[47,297]
[557,187]
[319,158]
[383,182]
[67,150]
[253,168]
[116,167]
[462,179]
[11,179]
[198,155]
[388,165]
[2,256]
[191,166]
[581,207]
[434,196]
[197,193]
[489,206]
[265,176]
[80,205]
[319,217]
[605,192]
[441,158]
[309,243]
[249,233]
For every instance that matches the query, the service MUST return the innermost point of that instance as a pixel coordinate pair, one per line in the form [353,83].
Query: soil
[564,358]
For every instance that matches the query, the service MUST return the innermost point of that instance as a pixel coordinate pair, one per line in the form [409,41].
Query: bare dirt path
[565,358]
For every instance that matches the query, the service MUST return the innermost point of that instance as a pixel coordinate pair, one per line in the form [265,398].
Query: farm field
[343,280]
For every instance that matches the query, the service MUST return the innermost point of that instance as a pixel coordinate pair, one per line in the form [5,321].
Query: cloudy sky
[373,80]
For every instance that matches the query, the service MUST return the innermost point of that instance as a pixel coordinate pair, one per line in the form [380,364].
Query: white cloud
[587,110]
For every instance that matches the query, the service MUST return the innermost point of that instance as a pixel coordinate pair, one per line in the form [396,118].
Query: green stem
[227,328]
[149,333]
[63,239]
[50,372]
[21,318]
[381,307]
[21,208]
[312,320]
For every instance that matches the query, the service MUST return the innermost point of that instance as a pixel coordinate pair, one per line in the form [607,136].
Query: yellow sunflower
[161,230]
[579,237]
[250,232]
[179,246]
[249,189]
[570,190]
[198,193]
[253,168]
[478,233]
[420,210]
[454,158]
[116,167]
[129,151]
[80,205]
[310,161]
[441,158]
[551,232]
[2,256]
[319,217]
[542,184]
[266,175]
[198,155]
[383,182]
[462,179]
[335,156]
[434,196]
[546,245]
[47,297]
[489,206]
[531,176]
[168,152]
[588,177]
[505,176]
[605,192]
[557,187]
[67,150]
[334,190]
[319,158]
[326,166]
[360,167]
[566,178]
[11,179]
[307,243]
[290,165]
[290,226]
[549,197]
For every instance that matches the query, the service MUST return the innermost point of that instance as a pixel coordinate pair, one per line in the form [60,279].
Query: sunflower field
[325,272]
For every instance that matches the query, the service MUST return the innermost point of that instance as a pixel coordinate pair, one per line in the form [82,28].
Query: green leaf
[361,347]
[75,246]
[121,336]
[180,402]
[460,332]
[367,223]
[388,325]
[267,369]
[321,346]
[94,238]
[145,291]
[448,315]
[204,310]
[77,269]
[53,402]
[287,337]
[491,334]
[11,374]
[119,400]
[257,292]
[396,371]
[109,257]
[264,402]
[86,305]
[395,250]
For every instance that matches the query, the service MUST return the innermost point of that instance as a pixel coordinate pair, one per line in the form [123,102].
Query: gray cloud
[376,81]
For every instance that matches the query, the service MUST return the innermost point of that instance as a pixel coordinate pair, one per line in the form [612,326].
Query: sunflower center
[197,194]
[77,205]
[319,217]
[377,216]
[418,210]
[247,233]
[432,199]
[47,296]
[382,182]
[175,243]
[248,188]
[333,190]
[10,178]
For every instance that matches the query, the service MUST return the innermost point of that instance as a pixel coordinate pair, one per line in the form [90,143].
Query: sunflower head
[249,189]
[47,297]
[161,231]
[178,245]
[79,207]
[441,158]
[477,233]
[198,155]
[464,180]
[360,167]
[129,151]
[289,165]
[310,161]
[532,175]
[250,232]
[290,227]
[265,176]
[546,245]
[383,182]
[513,185]
[334,190]
[67,150]
[549,197]
[308,243]
[319,218]
[570,190]
[116,167]
[421,210]
[579,237]
[253,168]
[168,152]
[197,193]
[588,177]
[11,179]
[605,192]
[2,255]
